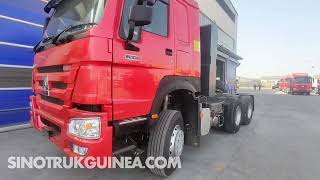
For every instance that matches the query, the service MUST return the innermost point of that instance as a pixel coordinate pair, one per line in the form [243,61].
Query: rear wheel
[291,92]
[233,116]
[166,139]
[248,109]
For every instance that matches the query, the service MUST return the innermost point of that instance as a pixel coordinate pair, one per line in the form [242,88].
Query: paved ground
[281,143]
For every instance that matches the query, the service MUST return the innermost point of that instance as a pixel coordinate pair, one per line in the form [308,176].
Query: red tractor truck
[116,76]
[318,89]
[297,83]
[316,84]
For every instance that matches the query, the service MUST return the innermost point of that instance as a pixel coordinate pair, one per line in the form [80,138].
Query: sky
[278,37]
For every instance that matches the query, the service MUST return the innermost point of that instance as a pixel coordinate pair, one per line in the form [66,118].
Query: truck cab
[88,74]
[316,84]
[110,73]
[300,84]
[285,83]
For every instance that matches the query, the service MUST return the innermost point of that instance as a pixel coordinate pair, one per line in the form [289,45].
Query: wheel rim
[238,116]
[250,110]
[176,141]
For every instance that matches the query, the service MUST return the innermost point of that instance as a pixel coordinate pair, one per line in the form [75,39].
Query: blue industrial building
[21,28]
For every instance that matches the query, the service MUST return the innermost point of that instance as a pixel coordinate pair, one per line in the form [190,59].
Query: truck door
[137,74]
[182,40]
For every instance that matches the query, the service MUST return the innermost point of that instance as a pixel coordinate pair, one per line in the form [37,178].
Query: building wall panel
[21,28]
[212,9]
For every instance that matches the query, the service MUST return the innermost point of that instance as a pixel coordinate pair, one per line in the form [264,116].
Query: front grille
[58,78]
[54,129]
[87,107]
[59,85]
[52,100]
[50,124]
[51,69]
[56,85]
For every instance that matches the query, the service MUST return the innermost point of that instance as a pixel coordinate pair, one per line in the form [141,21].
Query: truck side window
[159,23]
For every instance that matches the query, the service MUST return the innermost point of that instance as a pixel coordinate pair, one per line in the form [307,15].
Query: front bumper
[298,90]
[101,147]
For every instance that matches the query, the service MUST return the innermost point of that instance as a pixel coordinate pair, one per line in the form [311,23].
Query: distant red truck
[297,83]
[318,89]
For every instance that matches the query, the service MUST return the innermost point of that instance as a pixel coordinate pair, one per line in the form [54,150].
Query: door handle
[169,52]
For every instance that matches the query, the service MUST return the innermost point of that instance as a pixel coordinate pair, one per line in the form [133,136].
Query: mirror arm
[128,45]
[131,30]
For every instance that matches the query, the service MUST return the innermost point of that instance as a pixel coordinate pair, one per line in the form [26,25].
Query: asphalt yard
[281,143]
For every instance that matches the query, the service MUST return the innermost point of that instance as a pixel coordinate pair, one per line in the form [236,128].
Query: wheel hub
[238,116]
[250,110]
[176,142]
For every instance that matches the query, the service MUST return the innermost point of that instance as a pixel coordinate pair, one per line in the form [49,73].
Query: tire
[248,109]
[231,121]
[160,139]
[291,92]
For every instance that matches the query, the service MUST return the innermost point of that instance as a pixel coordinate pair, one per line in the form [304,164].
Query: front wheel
[166,140]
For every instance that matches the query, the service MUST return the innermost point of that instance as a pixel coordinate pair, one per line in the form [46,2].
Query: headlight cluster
[86,128]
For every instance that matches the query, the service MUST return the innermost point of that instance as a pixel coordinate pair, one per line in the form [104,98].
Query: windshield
[73,12]
[302,80]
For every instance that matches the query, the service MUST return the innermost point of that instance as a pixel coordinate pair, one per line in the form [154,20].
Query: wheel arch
[171,84]
[183,90]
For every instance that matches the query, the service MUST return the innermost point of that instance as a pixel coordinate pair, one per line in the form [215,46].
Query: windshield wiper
[55,39]
[38,48]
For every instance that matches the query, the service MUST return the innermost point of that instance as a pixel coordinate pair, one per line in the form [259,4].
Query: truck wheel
[248,109]
[166,139]
[233,116]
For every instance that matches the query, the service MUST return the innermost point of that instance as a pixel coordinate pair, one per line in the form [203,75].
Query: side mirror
[140,15]
[45,25]
[51,4]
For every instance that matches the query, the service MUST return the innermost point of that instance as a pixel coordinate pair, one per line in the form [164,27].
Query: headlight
[86,128]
